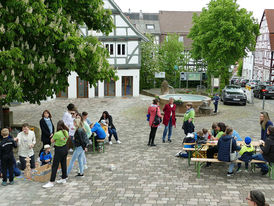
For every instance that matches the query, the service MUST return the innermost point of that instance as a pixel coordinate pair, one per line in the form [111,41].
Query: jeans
[216,108]
[112,132]
[263,166]
[7,164]
[60,156]
[79,155]
[169,128]
[231,167]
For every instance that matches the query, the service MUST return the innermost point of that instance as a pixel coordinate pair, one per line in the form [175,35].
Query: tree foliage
[40,45]
[149,63]
[171,54]
[221,34]
[240,68]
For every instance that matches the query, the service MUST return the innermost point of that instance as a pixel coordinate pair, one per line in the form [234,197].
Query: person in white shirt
[26,141]
[68,118]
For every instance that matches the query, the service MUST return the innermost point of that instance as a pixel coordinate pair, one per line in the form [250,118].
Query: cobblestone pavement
[143,175]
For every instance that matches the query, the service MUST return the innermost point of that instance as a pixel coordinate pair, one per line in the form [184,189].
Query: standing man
[26,141]
[169,119]
[216,99]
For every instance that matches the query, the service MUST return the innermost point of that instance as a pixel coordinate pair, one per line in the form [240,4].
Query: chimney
[141,16]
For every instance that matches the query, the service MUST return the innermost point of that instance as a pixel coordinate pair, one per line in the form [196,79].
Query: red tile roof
[269,13]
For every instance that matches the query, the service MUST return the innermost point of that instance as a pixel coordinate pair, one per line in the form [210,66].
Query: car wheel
[225,103]
[244,103]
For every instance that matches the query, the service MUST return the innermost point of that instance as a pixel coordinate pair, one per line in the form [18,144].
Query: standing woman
[47,129]
[169,119]
[152,111]
[265,123]
[80,142]
[111,128]
[188,125]
[60,154]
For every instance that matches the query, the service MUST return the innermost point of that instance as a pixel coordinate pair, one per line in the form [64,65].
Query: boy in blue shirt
[46,156]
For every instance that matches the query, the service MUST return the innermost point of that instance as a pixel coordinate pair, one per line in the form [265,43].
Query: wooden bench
[196,152]
[101,143]
[200,161]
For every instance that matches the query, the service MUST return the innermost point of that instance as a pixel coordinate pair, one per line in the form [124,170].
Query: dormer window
[150,26]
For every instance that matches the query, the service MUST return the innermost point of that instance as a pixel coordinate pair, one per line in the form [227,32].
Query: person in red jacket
[169,119]
[152,111]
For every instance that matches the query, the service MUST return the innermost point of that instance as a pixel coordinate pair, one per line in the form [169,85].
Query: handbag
[157,119]
[233,155]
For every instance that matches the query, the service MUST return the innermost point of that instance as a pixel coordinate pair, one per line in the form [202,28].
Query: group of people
[73,133]
[225,136]
[169,120]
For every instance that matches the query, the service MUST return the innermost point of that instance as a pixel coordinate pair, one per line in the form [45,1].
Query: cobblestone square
[143,175]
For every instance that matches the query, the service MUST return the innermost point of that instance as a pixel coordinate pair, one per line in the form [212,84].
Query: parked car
[253,83]
[264,90]
[265,83]
[237,81]
[233,94]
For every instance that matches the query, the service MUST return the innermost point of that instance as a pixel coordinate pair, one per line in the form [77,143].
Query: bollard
[263,101]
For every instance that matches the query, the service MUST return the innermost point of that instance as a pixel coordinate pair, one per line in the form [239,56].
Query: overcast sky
[256,6]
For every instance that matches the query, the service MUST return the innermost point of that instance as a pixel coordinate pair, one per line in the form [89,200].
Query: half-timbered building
[264,54]
[123,44]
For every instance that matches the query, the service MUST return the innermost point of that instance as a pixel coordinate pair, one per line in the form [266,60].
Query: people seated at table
[267,151]
[200,139]
[104,125]
[206,134]
[214,149]
[246,153]
[227,145]
[214,131]
[190,138]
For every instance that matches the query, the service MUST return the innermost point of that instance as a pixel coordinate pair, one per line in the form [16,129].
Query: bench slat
[216,160]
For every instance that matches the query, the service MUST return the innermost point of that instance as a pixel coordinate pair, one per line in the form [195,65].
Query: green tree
[240,68]
[171,55]
[220,36]
[40,45]
[149,63]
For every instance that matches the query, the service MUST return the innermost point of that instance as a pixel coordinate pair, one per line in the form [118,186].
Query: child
[246,153]
[104,125]
[216,99]
[206,134]
[46,156]
[6,155]
[200,138]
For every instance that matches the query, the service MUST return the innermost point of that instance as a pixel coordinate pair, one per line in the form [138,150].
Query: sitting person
[213,133]
[200,138]
[221,128]
[246,153]
[267,153]
[225,149]
[206,134]
[99,131]
[236,136]
[104,125]
[190,138]
[46,156]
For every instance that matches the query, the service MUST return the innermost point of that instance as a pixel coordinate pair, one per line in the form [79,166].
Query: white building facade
[123,44]
[248,65]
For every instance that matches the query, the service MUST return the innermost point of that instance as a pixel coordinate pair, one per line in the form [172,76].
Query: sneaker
[153,145]
[238,170]
[12,182]
[119,142]
[246,170]
[169,140]
[229,174]
[164,141]
[62,181]
[4,183]
[70,150]
[110,142]
[79,175]
[48,185]
[85,167]
[178,154]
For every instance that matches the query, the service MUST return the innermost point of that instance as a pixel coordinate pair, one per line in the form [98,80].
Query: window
[121,49]
[181,39]
[110,48]
[150,26]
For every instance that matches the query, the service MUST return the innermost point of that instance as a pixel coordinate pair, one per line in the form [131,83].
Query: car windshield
[235,90]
